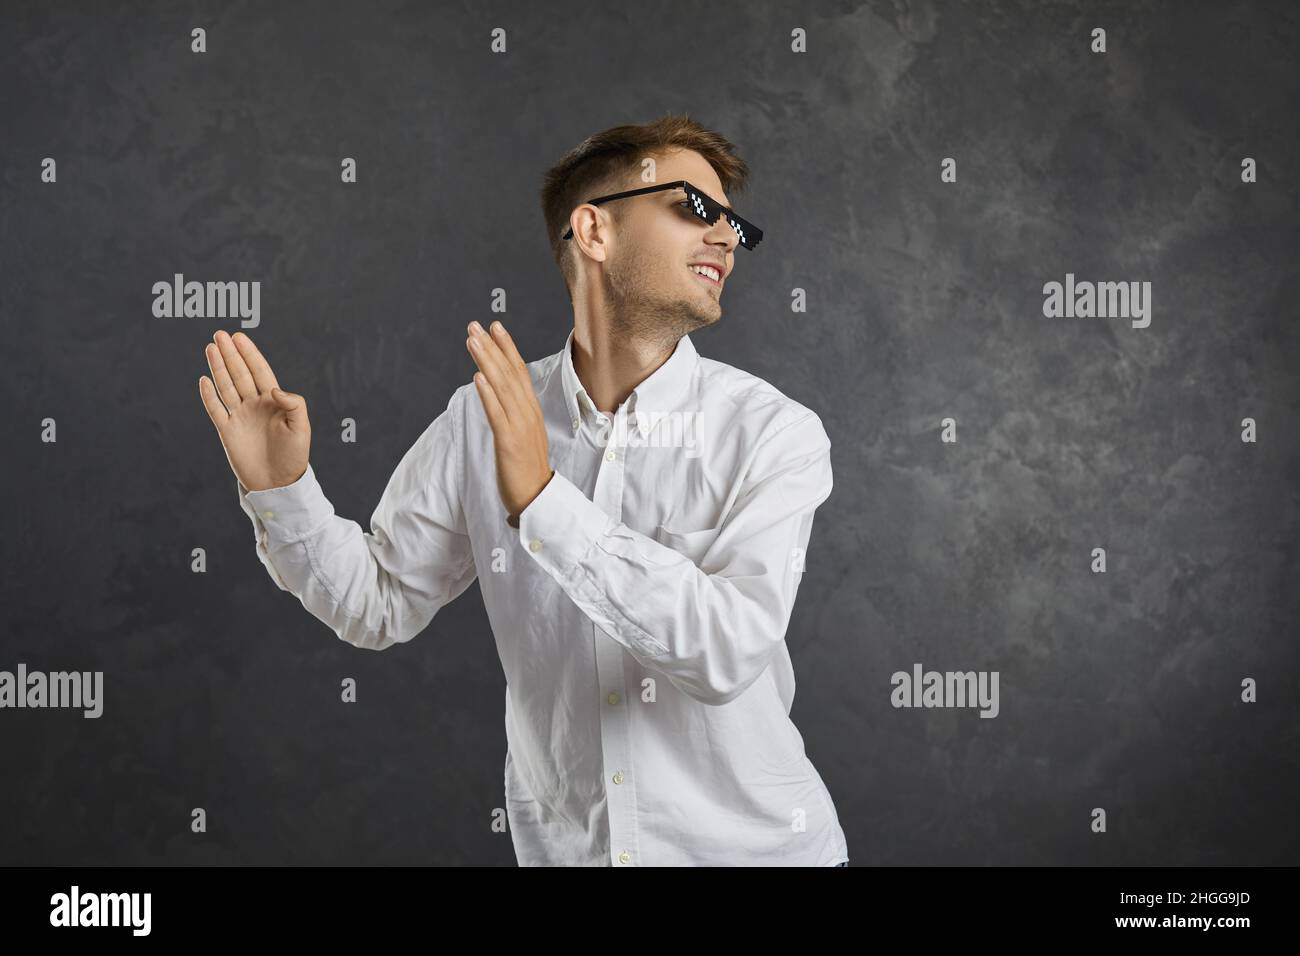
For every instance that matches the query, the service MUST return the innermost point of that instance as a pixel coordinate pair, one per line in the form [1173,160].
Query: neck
[610,364]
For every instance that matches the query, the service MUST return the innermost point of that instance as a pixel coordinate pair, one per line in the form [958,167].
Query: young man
[636,516]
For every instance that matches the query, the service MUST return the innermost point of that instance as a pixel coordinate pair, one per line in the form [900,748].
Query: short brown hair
[605,162]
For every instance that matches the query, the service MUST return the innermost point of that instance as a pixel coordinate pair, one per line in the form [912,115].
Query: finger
[500,374]
[491,404]
[236,366]
[507,346]
[263,377]
[489,368]
[295,408]
[225,387]
[216,411]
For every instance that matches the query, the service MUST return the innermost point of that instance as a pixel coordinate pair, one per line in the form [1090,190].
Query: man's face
[648,275]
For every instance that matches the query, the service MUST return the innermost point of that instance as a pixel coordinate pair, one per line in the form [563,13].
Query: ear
[593,235]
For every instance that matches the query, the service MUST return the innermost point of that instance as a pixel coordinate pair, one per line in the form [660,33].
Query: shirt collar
[659,392]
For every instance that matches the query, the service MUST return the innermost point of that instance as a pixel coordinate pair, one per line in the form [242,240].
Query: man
[636,516]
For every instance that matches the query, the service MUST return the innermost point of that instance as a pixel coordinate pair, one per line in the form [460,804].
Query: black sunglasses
[700,204]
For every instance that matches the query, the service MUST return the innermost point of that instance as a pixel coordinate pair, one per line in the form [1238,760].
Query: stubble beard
[642,309]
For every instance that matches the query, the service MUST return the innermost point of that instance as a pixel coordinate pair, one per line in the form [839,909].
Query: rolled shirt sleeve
[710,620]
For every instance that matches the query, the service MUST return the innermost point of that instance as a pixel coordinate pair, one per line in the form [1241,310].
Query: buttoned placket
[614,668]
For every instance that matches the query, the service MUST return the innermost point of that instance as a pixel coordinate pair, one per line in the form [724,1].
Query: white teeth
[709,271]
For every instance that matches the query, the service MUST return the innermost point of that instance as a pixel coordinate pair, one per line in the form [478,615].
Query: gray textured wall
[1119,690]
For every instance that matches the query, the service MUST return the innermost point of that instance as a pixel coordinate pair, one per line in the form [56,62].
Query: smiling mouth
[704,278]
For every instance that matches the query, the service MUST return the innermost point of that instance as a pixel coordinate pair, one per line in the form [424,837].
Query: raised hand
[518,428]
[264,429]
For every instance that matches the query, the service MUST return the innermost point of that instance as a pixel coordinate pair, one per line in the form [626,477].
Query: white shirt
[639,610]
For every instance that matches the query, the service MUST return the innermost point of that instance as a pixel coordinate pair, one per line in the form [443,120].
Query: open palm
[264,429]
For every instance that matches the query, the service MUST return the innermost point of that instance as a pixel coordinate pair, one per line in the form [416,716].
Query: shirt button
[535,545]
[575,424]
[611,455]
[618,776]
[612,698]
[624,857]
[268,514]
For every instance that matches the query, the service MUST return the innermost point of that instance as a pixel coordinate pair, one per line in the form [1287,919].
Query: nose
[728,233]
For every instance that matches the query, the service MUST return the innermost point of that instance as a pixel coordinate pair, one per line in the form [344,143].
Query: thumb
[295,407]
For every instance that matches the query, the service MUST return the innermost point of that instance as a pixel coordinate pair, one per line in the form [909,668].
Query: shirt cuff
[560,525]
[291,512]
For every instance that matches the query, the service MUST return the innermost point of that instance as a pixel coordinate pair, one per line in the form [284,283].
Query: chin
[702,321]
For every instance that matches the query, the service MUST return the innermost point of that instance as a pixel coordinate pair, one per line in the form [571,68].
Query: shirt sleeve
[709,619]
[379,588]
